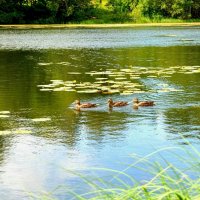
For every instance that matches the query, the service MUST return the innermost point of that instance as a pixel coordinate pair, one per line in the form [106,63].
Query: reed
[165,180]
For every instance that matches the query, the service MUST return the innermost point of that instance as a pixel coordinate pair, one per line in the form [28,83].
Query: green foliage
[63,11]
[43,11]
[156,9]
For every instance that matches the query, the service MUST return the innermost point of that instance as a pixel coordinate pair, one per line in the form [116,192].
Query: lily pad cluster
[4,114]
[101,85]
[122,81]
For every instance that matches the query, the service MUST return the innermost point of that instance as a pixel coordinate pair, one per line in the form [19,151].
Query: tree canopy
[63,11]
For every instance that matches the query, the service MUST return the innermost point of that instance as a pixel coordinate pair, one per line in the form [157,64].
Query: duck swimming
[142,103]
[116,103]
[79,105]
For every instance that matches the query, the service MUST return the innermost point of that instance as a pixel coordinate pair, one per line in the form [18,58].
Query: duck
[79,105]
[116,103]
[137,103]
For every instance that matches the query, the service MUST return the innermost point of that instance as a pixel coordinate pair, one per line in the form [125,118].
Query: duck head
[77,102]
[135,100]
[110,102]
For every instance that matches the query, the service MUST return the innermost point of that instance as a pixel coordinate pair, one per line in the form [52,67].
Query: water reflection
[96,137]
[183,122]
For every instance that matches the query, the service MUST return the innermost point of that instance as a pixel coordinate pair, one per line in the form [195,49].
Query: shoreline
[44,26]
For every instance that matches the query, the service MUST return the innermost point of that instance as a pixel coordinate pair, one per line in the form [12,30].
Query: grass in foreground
[165,180]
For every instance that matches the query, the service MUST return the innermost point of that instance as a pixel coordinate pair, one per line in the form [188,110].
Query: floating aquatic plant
[4,112]
[4,116]
[119,81]
[43,64]
[41,119]
[16,131]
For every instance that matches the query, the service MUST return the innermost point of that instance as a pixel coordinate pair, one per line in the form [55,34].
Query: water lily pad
[163,84]
[196,71]
[44,64]
[169,35]
[63,63]
[41,119]
[22,131]
[188,73]
[110,92]
[4,116]
[5,132]
[104,88]
[46,86]
[99,73]
[163,90]
[186,40]
[115,86]
[127,92]
[4,112]
[134,77]
[126,70]
[17,131]
[120,78]
[57,81]
[88,91]
[46,89]
[69,84]
[139,91]
[101,78]
[74,73]
[59,89]
[70,90]
[176,90]
[110,81]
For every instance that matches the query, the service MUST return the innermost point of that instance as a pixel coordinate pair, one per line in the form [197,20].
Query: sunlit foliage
[63,11]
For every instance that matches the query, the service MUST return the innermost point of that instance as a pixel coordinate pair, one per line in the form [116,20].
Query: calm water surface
[37,159]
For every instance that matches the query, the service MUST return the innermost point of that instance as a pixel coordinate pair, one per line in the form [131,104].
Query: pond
[42,72]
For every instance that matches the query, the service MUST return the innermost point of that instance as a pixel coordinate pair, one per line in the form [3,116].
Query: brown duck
[111,103]
[137,103]
[79,105]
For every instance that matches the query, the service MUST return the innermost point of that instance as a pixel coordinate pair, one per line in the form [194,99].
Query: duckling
[117,103]
[79,105]
[142,103]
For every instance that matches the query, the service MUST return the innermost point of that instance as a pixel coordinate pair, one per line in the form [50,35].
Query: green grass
[165,180]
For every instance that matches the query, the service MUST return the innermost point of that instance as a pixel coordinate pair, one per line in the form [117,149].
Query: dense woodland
[95,11]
